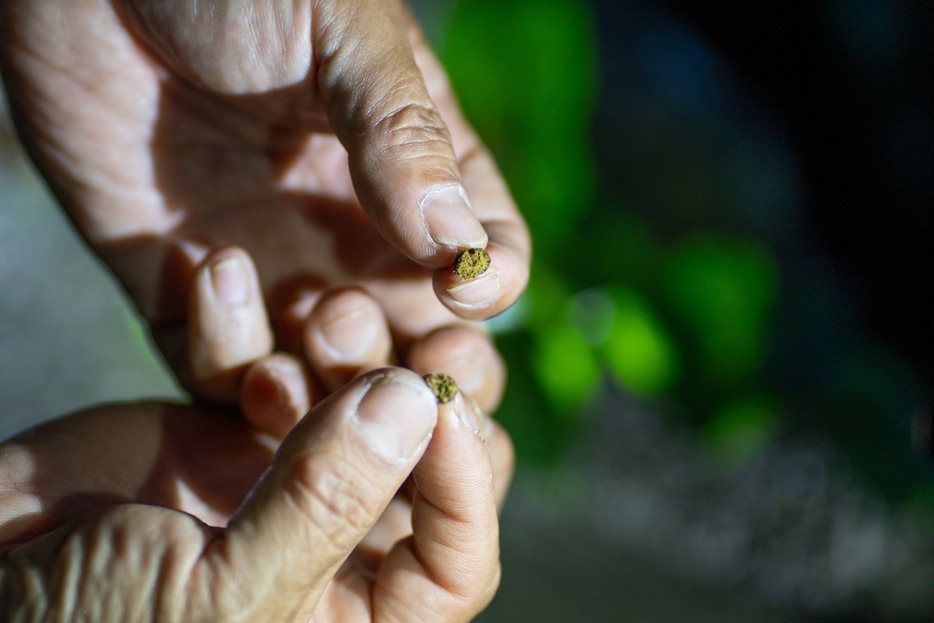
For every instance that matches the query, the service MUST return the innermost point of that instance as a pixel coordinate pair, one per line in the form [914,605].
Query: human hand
[127,512]
[314,135]
[140,501]
[230,358]
[345,336]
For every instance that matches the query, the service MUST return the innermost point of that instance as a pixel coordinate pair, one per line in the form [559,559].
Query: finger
[468,355]
[449,569]
[508,274]
[393,525]
[502,455]
[401,158]
[510,243]
[228,327]
[346,335]
[275,393]
[396,522]
[148,453]
[334,475]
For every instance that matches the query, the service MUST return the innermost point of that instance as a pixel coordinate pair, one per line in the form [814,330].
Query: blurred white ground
[67,336]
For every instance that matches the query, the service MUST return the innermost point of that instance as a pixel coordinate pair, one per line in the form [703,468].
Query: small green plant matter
[471,264]
[443,386]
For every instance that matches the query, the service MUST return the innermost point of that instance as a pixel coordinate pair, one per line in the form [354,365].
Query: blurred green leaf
[525,73]
[592,313]
[541,433]
[547,296]
[621,248]
[722,291]
[565,367]
[638,349]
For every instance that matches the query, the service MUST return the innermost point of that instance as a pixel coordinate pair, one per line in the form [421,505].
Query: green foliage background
[681,316]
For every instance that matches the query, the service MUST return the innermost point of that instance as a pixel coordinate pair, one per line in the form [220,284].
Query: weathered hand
[230,357]
[126,513]
[320,136]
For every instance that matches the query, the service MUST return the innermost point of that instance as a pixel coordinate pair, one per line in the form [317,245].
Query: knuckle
[417,128]
[99,562]
[336,499]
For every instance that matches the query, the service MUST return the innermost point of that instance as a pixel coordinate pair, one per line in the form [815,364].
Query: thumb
[401,158]
[334,475]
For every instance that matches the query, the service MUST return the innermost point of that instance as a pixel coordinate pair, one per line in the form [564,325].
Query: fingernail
[478,292]
[230,281]
[397,416]
[289,382]
[467,414]
[351,335]
[450,219]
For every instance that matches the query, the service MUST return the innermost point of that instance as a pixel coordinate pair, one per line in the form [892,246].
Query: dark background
[852,84]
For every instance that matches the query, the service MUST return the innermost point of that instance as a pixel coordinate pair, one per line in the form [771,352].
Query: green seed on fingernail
[443,386]
[471,263]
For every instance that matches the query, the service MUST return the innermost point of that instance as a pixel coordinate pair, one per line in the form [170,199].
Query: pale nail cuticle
[450,219]
[348,336]
[477,292]
[229,281]
[486,430]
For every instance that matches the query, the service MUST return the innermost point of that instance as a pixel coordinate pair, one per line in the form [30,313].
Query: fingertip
[489,293]
[228,277]
[397,414]
[228,327]
[332,478]
[470,415]
[468,355]
[345,335]
[455,474]
[275,394]
[419,205]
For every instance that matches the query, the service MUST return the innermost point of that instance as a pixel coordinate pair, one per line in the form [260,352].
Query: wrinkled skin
[138,527]
[311,134]
[126,511]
